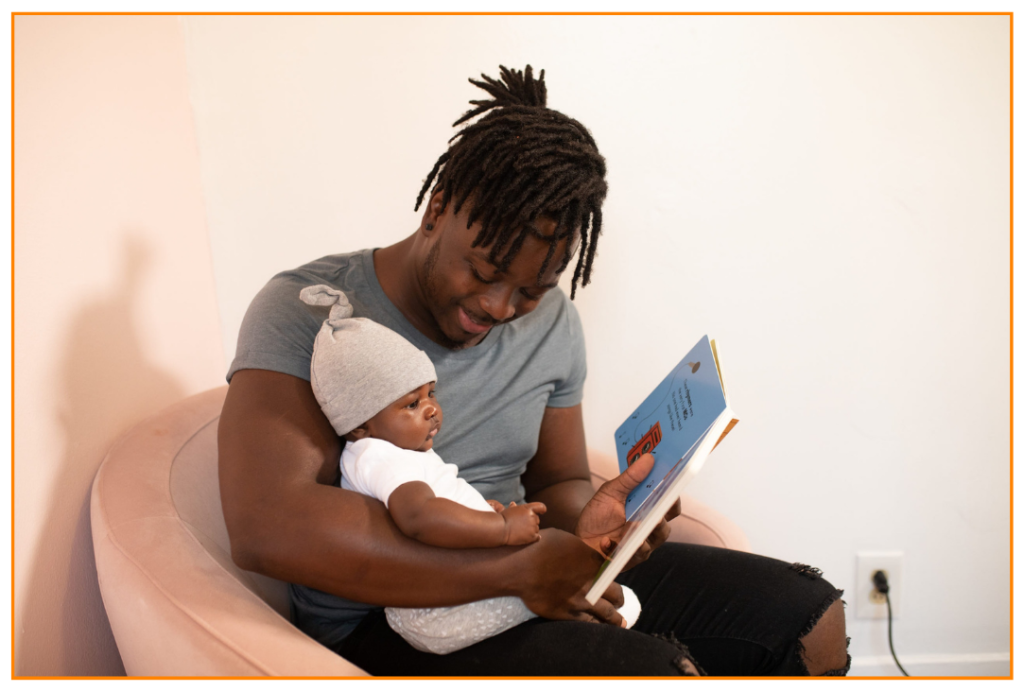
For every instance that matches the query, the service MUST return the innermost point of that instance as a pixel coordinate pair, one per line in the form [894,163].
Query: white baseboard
[939,665]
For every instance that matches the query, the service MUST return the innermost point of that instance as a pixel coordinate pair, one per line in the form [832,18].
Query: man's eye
[479,277]
[530,295]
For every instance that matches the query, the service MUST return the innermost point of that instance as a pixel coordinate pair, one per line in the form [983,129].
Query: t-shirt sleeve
[378,470]
[278,330]
[569,390]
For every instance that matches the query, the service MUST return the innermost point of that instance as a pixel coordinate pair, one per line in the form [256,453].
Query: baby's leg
[443,630]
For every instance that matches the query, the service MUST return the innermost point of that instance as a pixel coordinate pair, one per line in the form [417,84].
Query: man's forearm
[346,544]
[564,501]
[559,475]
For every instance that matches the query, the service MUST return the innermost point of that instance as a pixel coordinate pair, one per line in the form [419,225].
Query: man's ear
[432,213]
[357,433]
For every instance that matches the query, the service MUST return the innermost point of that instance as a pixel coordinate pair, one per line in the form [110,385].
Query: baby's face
[411,422]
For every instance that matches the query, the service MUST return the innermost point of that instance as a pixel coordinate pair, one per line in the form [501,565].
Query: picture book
[679,423]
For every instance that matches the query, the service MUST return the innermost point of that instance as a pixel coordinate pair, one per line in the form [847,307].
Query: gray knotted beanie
[359,367]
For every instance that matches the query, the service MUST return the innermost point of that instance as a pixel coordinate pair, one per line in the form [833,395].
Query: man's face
[467,294]
[409,423]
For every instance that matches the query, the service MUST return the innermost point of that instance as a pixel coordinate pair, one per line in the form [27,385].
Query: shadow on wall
[107,386]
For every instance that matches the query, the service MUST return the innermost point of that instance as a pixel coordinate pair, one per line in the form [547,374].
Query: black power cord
[882,586]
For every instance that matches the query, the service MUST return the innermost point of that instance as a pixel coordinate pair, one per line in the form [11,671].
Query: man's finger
[642,553]
[613,594]
[662,531]
[606,612]
[674,511]
[620,486]
[659,535]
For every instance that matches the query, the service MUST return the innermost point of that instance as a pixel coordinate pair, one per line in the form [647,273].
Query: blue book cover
[679,423]
[671,421]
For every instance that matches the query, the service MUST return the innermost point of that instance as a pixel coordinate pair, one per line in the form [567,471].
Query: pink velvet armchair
[177,604]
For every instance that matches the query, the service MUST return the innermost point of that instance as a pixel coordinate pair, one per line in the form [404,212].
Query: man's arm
[278,459]
[559,476]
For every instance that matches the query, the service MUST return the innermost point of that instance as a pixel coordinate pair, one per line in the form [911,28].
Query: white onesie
[376,468]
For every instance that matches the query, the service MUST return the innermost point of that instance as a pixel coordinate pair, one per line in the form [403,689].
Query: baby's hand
[522,523]
[496,506]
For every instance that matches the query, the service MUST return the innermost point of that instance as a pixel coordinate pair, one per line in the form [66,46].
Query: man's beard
[432,291]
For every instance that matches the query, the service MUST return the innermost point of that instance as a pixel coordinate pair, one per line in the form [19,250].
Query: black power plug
[881,583]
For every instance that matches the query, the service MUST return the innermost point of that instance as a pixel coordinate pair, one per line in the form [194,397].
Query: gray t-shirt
[493,394]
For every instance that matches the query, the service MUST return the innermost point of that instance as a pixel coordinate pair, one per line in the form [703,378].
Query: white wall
[114,307]
[827,196]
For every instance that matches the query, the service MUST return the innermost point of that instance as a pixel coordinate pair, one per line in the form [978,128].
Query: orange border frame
[13,14]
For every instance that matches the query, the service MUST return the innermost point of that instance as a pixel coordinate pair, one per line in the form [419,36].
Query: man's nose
[498,303]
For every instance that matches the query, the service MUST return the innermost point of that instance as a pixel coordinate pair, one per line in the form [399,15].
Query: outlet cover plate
[890,562]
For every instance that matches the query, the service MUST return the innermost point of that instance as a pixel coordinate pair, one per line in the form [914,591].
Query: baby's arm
[440,522]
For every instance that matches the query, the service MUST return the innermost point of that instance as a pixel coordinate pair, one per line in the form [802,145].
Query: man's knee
[823,648]
[681,659]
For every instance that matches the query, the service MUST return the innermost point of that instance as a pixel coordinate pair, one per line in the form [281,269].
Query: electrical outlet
[871,603]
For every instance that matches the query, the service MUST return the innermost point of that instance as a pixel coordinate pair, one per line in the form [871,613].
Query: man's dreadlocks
[520,161]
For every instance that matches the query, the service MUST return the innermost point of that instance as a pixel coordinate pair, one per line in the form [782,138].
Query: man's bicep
[273,440]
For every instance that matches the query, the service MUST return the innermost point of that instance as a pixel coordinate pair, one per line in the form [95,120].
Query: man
[517,194]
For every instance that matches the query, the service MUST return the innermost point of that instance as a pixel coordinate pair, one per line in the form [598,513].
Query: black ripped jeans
[728,612]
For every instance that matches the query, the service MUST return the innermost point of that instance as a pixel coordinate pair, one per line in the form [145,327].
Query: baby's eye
[413,404]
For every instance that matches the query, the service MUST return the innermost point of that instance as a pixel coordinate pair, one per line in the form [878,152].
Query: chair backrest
[195,491]
[177,604]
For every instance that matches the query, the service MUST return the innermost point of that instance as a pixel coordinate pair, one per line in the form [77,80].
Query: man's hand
[602,523]
[561,571]
[522,523]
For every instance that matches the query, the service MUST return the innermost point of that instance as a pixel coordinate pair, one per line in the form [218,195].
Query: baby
[377,390]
